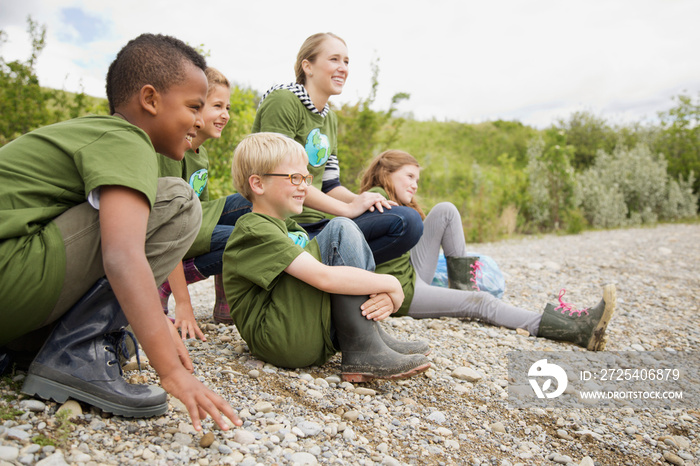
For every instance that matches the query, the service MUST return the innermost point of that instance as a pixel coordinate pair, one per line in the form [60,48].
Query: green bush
[632,187]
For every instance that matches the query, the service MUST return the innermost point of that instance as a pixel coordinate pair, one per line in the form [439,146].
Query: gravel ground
[455,413]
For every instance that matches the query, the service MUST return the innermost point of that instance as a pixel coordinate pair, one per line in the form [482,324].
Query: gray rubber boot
[404,347]
[365,354]
[585,328]
[461,274]
[80,360]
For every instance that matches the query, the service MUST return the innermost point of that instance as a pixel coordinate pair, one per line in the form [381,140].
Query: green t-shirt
[282,112]
[194,169]
[402,269]
[285,321]
[46,172]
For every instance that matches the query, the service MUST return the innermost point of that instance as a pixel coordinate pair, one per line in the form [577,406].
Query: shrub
[632,187]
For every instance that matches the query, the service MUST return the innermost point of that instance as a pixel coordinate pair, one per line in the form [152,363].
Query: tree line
[505,177]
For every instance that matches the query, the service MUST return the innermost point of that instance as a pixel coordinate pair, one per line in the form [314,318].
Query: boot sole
[356,377]
[221,320]
[599,340]
[49,389]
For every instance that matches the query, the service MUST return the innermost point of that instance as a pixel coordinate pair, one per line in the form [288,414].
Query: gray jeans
[172,227]
[443,228]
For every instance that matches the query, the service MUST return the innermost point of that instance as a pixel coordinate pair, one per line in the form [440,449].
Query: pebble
[437,416]
[243,437]
[455,413]
[673,458]
[206,440]
[303,458]
[467,373]
[498,427]
[9,453]
[73,408]
[33,405]
[349,434]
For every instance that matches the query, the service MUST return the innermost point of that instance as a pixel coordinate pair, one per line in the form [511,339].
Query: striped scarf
[300,91]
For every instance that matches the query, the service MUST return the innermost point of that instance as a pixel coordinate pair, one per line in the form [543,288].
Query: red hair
[379,171]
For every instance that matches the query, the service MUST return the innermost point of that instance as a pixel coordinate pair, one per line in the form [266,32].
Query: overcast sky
[528,60]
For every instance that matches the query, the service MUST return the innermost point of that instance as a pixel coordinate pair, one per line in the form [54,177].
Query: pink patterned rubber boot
[221,313]
[192,275]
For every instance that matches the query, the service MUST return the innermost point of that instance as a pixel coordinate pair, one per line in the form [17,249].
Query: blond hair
[309,51]
[379,171]
[216,78]
[261,153]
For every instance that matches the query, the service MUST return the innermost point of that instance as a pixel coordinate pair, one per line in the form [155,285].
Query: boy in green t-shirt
[296,301]
[81,200]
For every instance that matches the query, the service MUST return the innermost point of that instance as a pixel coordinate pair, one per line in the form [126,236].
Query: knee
[342,227]
[179,200]
[446,209]
[412,224]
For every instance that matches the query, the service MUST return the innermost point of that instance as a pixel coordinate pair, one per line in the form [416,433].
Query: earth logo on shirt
[198,180]
[317,147]
[299,237]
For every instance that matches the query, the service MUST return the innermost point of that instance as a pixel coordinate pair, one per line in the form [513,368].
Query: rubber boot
[5,362]
[221,313]
[462,272]
[584,328]
[365,355]
[404,347]
[192,275]
[80,360]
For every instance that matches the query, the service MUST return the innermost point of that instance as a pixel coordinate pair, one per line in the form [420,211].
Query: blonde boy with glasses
[296,301]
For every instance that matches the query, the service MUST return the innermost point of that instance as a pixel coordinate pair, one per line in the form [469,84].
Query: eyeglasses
[295,178]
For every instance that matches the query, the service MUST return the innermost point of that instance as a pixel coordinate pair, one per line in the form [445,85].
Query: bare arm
[345,280]
[346,204]
[123,220]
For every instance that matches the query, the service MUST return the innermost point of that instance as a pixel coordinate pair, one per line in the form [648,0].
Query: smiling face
[281,198]
[327,74]
[405,182]
[215,114]
[179,114]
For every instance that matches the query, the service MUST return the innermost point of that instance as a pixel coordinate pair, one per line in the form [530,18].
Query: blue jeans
[389,234]
[342,243]
[210,263]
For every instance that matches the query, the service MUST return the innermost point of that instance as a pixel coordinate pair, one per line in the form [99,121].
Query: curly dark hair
[154,59]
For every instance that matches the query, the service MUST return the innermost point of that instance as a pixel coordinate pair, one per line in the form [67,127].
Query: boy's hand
[198,399]
[378,307]
[186,323]
[180,348]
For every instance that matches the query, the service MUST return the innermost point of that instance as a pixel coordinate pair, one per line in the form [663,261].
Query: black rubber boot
[461,272]
[365,355]
[584,328]
[404,347]
[80,360]
[5,362]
